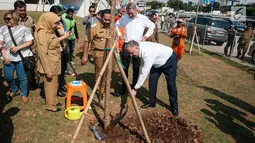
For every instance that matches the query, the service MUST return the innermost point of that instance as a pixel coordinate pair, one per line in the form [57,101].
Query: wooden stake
[93,92]
[107,119]
[195,29]
[133,100]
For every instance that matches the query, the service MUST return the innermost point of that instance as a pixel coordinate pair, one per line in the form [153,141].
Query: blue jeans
[70,45]
[22,77]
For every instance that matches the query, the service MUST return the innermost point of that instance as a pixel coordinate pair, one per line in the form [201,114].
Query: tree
[174,4]
[216,6]
[155,4]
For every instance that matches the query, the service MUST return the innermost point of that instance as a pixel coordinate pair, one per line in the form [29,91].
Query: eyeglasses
[133,52]
[7,18]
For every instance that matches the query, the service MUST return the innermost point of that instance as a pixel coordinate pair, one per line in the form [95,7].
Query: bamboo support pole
[107,119]
[195,29]
[133,101]
[93,92]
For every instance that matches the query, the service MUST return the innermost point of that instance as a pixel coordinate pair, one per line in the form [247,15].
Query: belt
[98,49]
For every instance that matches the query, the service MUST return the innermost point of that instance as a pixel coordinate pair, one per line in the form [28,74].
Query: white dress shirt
[134,28]
[151,54]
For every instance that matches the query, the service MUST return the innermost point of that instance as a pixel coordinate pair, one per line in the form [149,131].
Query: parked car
[239,26]
[213,29]
[252,52]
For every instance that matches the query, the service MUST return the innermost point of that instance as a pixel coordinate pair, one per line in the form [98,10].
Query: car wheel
[219,43]
[253,57]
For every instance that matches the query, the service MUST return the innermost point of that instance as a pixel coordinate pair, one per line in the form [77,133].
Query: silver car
[212,28]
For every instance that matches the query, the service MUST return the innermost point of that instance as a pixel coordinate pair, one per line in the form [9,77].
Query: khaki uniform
[98,37]
[244,45]
[154,37]
[28,22]
[50,62]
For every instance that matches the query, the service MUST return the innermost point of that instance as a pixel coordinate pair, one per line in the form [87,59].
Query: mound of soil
[161,128]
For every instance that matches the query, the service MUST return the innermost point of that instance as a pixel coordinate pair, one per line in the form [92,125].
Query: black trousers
[31,81]
[169,70]
[231,45]
[126,59]
[64,61]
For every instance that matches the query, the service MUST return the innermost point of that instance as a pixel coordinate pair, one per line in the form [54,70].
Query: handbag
[177,40]
[28,62]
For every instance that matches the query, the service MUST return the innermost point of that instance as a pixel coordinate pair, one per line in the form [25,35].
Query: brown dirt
[161,128]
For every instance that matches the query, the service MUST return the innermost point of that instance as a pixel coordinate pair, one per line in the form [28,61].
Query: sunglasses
[7,18]
[91,11]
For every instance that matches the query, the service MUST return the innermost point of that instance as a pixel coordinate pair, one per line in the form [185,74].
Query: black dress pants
[126,59]
[169,70]
[64,61]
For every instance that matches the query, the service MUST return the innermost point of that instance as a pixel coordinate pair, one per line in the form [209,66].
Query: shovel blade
[120,117]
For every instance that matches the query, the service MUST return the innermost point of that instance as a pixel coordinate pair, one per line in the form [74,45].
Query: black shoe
[61,94]
[57,110]
[116,94]
[148,105]
[58,104]
[175,113]
[63,88]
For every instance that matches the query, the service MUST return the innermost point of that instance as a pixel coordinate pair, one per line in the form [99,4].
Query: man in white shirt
[156,59]
[134,25]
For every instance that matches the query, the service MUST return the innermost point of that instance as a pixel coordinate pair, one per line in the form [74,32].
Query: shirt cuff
[147,35]
[119,34]
[137,87]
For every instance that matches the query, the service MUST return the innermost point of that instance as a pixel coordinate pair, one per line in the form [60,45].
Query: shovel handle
[129,101]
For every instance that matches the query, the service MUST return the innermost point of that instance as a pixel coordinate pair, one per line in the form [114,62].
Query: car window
[201,21]
[192,20]
[220,24]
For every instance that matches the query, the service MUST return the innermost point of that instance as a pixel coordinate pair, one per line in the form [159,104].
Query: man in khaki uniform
[154,37]
[98,35]
[244,45]
[25,20]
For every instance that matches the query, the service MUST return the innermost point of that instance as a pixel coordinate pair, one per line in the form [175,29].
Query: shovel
[76,75]
[121,116]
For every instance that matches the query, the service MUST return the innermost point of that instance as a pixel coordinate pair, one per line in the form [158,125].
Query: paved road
[220,50]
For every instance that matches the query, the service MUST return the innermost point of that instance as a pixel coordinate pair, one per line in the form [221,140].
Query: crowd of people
[46,49]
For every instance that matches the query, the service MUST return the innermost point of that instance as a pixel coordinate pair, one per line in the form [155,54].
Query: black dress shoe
[116,94]
[61,94]
[63,88]
[175,113]
[148,105]
[58,104]
[57,110]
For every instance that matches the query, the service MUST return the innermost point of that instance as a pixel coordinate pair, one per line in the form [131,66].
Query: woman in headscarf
[49,60]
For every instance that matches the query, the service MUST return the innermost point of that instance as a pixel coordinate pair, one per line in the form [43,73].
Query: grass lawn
[215,94]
